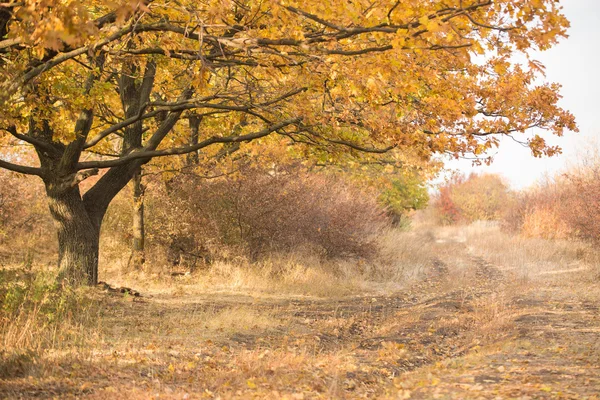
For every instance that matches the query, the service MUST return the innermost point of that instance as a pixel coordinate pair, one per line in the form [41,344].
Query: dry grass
[240,319]
[526,256]
[39,314]
[40,318]
[403,257]
[443,313]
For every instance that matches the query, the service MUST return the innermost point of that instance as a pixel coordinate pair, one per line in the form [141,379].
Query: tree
[138,241]
[404,193]
[446,209]
[96,88]
[484,197]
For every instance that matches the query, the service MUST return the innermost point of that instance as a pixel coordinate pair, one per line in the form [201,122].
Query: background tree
[446,210]
[482,197]
[96,87]
[404,193]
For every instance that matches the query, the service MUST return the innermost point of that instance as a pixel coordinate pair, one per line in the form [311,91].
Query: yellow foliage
[545,222]
[372,68]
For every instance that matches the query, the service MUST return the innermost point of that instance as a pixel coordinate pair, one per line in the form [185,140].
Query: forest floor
[470,328]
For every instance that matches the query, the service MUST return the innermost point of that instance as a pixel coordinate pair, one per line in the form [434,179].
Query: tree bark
[138,243]
[78,237]
[194,121]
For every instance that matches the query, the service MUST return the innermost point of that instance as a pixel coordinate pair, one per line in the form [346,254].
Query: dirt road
[466,329]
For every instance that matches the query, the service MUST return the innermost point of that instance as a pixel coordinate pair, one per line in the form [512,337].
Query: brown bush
[26,227]
[258,212]
[567,206]
[581,211]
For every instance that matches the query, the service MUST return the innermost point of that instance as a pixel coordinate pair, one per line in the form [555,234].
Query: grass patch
[37,314]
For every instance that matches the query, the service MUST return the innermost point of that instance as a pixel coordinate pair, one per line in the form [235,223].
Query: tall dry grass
[39,314]
[402,257]
[527,257]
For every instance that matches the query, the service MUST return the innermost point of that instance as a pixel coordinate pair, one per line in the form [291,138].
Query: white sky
[574,63]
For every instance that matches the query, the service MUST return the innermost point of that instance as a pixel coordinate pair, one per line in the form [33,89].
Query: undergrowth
[37,314]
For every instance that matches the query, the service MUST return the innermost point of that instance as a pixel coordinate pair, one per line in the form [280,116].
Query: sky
[575,64]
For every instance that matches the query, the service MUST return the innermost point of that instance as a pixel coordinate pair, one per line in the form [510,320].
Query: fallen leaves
[415,344]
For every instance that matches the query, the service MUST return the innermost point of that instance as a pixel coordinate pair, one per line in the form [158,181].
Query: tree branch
[187,105]
[73,180]
[21,168]
[148,154]
[83,125]
[360,148]
[40,144]
[114,128]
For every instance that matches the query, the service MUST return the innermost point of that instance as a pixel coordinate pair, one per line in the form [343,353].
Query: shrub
[539,212]
[259,211]
[566,206]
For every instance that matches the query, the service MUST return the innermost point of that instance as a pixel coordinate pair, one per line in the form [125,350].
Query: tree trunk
[138,255]
[194,121]
[78,237]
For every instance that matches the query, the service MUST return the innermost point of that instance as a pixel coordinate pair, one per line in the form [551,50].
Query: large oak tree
[98,88]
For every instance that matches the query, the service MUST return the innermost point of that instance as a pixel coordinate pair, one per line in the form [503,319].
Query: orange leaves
[52,23]
[124,9]
[537,67]
[417,74]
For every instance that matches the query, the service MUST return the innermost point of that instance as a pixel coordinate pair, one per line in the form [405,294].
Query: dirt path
[471,332]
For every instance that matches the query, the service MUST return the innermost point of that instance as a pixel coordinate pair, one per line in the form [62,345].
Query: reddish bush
[447,212]
[259,212]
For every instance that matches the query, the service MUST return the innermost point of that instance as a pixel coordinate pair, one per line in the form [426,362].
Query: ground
[480,322]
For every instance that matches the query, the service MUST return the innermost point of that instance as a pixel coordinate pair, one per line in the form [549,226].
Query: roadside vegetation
[230,199]
[464,310]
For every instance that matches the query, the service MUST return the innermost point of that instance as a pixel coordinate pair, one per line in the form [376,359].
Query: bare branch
[21,168]
[40,144]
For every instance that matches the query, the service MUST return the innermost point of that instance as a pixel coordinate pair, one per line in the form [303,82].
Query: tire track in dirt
[552,349]
[432,328]
[487,272]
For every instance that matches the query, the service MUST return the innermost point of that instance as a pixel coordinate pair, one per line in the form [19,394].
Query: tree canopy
[399,73]
[105,85]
